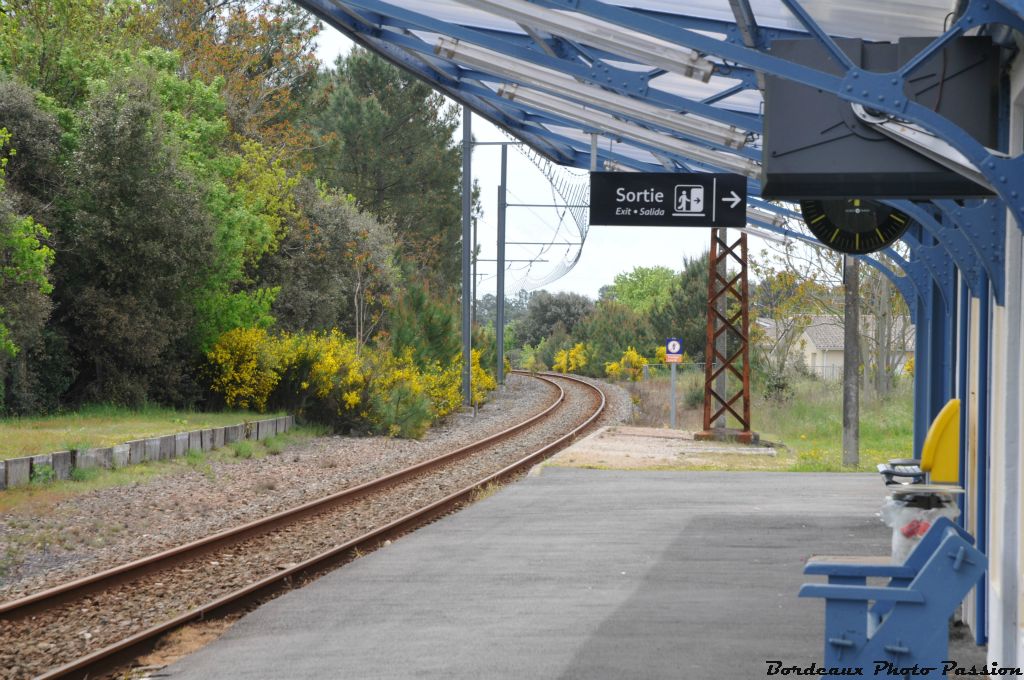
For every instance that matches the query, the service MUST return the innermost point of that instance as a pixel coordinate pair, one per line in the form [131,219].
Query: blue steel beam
[745,152]
[354,26]
[537,56]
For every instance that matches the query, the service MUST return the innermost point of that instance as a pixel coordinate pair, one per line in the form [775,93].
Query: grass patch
[811,425]
[244,449]
[98,426]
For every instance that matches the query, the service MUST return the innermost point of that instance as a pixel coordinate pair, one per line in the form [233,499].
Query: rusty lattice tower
[727,351]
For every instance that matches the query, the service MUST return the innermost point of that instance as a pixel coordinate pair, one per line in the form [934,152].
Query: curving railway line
[82,627]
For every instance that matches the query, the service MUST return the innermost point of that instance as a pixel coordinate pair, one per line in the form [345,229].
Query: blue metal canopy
[671,88]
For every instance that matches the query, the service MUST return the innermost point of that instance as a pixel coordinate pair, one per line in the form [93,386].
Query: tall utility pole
[499,331]
[851,361]
[467,283]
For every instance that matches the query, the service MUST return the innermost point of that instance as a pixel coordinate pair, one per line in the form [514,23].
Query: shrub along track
[78,628]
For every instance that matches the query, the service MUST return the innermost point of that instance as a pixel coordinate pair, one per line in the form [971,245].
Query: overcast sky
[607,250]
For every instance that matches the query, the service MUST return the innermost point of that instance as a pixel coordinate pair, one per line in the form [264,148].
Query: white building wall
[1006,638]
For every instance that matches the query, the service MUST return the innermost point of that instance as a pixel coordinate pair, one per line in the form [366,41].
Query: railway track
[82,627]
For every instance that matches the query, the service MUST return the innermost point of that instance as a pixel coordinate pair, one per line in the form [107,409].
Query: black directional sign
[656,199]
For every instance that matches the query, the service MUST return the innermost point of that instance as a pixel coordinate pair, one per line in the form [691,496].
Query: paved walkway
[574,574]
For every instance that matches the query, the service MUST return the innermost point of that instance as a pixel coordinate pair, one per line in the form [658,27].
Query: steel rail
[51,597]
[133,646]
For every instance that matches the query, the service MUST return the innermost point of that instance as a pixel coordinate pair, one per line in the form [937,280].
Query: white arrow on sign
[733,199]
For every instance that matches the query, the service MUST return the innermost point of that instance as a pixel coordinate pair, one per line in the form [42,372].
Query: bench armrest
[853,568]
[860,593]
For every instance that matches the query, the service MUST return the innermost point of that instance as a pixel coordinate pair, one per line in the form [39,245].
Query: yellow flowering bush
[322,372]
[401,406]
[244,368]
[629,367]
[481,381]
[570,360]
[323,376]
[444,387]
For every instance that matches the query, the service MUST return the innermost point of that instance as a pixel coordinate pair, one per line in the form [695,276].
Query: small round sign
[673,346]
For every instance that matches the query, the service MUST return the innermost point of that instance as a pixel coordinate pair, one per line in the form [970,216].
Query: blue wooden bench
[905,621]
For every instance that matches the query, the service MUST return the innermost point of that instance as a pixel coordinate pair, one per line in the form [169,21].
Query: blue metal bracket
[1015,6]
[984,225]
[954,242]
[936,261]
[634,83]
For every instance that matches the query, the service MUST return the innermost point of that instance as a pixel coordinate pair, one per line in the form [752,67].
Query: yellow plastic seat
[940,453]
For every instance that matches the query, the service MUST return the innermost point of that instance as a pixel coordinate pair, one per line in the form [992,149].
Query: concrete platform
[625,447]
[575,574]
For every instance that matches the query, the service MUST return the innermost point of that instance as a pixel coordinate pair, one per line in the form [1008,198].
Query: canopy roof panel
[551,75]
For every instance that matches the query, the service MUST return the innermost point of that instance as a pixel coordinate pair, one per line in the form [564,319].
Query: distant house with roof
[821,343]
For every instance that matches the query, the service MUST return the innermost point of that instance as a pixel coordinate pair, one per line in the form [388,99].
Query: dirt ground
[621,447]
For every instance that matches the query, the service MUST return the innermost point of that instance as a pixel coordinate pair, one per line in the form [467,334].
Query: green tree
[642,289]
[24,285]
[426,325]
[59,46]
[545,310]
[262,54]
[134,251]
[684,314]
[335,269]
[386,138]
[610,330]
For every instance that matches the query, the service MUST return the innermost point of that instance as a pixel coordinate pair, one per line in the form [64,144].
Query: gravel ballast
[182,507]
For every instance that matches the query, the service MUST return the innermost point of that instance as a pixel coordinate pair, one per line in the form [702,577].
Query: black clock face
[854,225]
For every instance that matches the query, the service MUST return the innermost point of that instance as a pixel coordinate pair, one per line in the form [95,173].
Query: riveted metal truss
[727,351]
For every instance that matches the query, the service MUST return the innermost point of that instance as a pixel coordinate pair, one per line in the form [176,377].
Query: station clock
[853,225]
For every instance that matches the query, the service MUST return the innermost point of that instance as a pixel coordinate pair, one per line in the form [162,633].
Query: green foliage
[33,173]
[545,310]
[365,105]
[642,289]
[693,395]
[25,260]
[133,230]
[85,474]
[243,449]
[612,326]
[684,315]
[61,47]
[43,474]
[247,195]
[335,266]
[176,209]
[426,326]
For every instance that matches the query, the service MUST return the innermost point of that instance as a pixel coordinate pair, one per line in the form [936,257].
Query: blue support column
[922,365]
[981,473]
[962,391]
